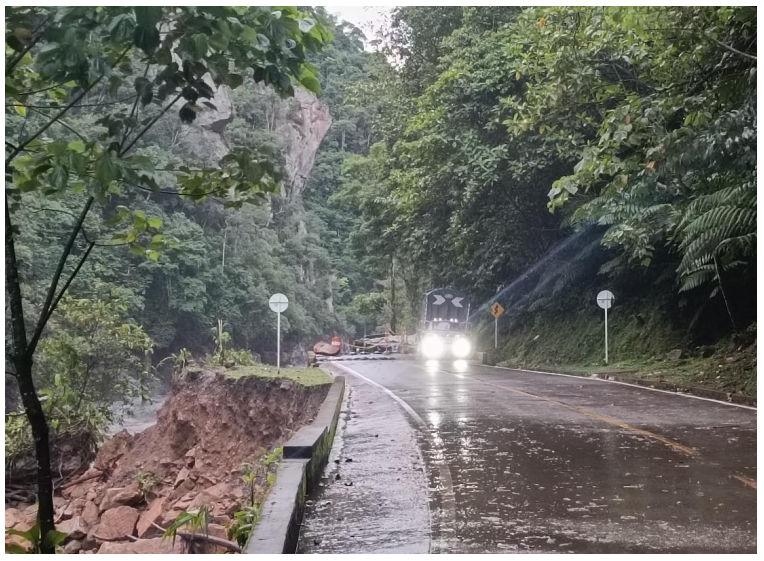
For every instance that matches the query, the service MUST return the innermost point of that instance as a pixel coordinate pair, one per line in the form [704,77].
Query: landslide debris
[214,421]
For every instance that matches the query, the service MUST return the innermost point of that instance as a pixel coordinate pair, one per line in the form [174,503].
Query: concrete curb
[305,455]
[716,395]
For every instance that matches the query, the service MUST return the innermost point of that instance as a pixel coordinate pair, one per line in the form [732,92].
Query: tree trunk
[36,416]
[222,263]
[22,362]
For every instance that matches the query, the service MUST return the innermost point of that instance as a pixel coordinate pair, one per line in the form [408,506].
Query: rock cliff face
[300,123]
[204,138]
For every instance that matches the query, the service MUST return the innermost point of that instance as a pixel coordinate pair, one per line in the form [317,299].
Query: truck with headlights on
[444,327]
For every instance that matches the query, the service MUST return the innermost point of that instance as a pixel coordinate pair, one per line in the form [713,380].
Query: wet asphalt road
[516,461]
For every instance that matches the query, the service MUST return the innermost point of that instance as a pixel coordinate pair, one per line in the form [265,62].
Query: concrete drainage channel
[305,456]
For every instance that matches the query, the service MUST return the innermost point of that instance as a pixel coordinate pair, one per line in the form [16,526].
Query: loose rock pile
[206,429]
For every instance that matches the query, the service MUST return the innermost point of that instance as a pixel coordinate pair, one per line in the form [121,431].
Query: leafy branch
[46,126]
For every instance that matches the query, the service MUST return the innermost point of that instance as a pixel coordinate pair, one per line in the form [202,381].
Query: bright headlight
[461,348]
[432,346]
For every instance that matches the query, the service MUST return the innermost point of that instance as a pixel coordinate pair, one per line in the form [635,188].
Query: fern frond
[612,265]
[696,279]
[657,209]
[729,217]
[540,303]
[721,224]
[568,276]
[668,274]
[744,245]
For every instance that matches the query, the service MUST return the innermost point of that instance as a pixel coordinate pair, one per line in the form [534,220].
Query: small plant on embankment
[180,360]
[248,517]
[194,521]
[147,482]
[198,538]
[52,540]
[223,355]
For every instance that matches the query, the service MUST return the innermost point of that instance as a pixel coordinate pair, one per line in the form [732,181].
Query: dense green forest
[149,195]
[632,129]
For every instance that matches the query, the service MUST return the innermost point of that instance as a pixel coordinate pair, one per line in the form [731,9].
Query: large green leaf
[53,538]
[107,169]
[147,38]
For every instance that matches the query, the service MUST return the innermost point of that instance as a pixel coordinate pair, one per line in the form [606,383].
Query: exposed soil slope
[212,423]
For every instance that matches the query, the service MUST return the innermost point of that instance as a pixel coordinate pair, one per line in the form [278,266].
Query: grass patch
[304,376]
[728,370]
[570,339]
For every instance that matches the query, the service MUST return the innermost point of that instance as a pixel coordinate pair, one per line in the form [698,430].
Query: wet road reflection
[527,462]
[372,497]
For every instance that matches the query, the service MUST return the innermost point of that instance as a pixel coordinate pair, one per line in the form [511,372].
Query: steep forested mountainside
[529,126]
[473,142]
[227,260]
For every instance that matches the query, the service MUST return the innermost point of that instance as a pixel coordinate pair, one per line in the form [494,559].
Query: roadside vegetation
[640,347]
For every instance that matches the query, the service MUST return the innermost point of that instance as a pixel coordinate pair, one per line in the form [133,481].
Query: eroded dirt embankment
[210,425]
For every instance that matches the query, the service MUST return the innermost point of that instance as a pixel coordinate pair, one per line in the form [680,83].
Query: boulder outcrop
[300,123]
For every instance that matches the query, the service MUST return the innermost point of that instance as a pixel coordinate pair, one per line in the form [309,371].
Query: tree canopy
[641,120]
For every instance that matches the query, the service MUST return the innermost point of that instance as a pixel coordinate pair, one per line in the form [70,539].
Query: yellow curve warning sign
[497,310]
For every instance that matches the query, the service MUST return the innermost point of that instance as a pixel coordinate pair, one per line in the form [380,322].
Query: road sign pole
[605,335]
[278,303]
[605,300]
[496,311]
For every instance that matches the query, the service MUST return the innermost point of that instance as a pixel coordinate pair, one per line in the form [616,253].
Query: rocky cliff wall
[300,123]
[205,138]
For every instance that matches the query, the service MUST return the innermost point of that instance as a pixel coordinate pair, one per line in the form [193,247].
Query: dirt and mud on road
[212,423]
[517,461]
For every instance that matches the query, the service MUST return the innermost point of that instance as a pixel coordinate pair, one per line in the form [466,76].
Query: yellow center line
[673,444]
[747,481]
[615,422]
